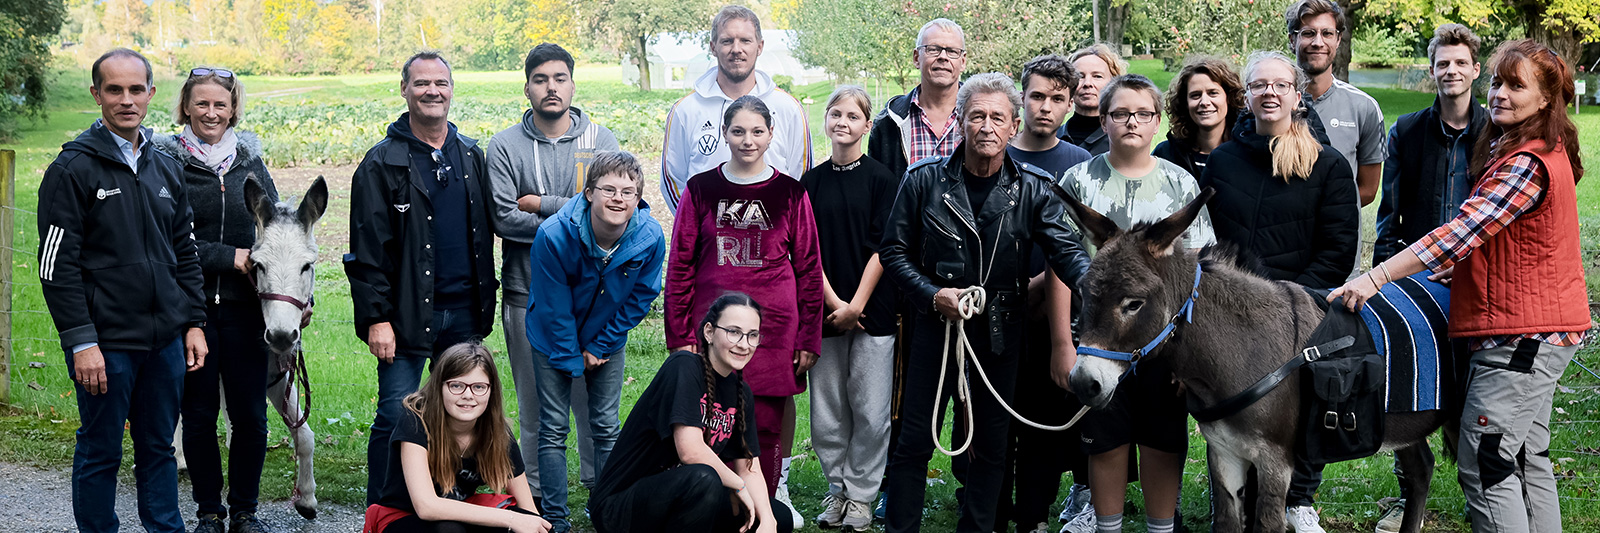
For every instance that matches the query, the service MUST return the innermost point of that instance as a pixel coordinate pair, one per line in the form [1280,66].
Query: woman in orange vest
[1518,297]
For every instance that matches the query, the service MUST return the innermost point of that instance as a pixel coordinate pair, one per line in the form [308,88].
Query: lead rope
[969,303]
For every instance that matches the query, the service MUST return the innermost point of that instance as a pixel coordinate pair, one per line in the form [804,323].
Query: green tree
[633,25]
[26,28]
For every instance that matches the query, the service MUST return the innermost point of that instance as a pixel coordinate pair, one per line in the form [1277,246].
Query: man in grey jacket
[535,166]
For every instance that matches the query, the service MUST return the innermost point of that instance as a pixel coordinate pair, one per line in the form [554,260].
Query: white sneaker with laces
[857,515]
[783,496]
[1304,519]
[1077,497]
[1083,522]
[833,509]
[1392,518]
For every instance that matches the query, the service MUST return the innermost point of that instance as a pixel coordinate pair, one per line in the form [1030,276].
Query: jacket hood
[400,130]
[249,148]
[580,122]
[575,215]
[98,141]
[707,86]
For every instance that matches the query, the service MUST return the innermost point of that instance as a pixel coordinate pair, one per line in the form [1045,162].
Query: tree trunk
[1341,59]
[1565,44]
[1116,23]
[641,56]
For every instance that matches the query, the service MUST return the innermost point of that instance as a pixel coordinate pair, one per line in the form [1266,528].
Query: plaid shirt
[924,142]
[1510,192]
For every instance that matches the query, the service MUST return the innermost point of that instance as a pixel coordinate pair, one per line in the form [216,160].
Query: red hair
[1514,62]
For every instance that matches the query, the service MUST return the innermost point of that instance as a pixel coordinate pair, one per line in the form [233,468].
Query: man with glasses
[534,169]
[596,269]
[922,123]
[694,126]
[421,261]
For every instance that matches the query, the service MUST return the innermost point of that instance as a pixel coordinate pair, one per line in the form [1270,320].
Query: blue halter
[1186,313]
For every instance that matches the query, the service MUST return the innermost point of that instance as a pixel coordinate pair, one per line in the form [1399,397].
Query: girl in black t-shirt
[684,461]
[452,440]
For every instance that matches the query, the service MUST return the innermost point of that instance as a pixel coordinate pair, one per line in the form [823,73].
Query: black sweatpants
[1038,458]
[686,498]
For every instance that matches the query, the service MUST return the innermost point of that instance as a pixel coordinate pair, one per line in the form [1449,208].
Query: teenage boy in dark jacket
[119,271]
[421,261]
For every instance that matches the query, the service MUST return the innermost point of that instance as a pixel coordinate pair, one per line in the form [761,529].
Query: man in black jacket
[421,261]
[121,277]
[969,219]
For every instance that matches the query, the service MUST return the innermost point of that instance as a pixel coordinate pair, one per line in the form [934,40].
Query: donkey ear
[1162,237]
[256,199]
[1100,229]
[314,204]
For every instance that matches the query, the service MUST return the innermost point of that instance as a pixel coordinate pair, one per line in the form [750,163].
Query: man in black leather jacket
[935,247]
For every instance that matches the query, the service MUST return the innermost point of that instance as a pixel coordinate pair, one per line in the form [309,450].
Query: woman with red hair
[1518,296]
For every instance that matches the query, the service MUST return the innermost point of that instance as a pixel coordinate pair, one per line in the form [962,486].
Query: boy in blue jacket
[596,269]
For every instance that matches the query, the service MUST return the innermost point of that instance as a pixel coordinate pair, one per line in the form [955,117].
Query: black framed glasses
[205,71]
[753,338]
[936,51]
[461,387]
[1123,117]
[441,168]
[609,192]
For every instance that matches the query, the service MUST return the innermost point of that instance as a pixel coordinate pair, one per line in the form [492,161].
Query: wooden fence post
[8,199]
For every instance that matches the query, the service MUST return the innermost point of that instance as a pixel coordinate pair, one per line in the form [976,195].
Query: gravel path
[33,499]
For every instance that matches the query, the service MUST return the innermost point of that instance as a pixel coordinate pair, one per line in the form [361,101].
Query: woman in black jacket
[1203,105]
[217,159]
[1281,195]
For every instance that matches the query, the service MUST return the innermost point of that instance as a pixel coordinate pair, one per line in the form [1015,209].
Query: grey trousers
[1504,453]
[514,319]
[851,387]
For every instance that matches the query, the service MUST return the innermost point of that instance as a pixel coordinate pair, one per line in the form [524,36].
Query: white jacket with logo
[694,142]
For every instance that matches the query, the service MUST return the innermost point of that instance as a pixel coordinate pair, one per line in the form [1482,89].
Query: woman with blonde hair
[1285,197]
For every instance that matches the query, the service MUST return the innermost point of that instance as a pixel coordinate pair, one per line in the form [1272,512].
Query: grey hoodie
[522,161]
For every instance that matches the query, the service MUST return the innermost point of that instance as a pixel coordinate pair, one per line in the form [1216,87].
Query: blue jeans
[143,388]
[238,362]
[555,404]
[400,378]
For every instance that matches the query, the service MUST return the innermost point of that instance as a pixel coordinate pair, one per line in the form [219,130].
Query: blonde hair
[853,94]
[1294,153]
[1105,53]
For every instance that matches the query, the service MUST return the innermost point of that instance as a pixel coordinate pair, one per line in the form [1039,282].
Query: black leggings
[412,524]
[686,498]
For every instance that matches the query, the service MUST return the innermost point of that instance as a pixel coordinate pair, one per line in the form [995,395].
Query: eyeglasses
[459,388]
[612,192]
[441,168]
[735,336]
[1258,88]
[936,51]
[203,71]
[1124,117]
[1309,34]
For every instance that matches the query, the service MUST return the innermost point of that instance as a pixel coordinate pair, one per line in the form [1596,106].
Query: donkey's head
[1139,279]
[284,258]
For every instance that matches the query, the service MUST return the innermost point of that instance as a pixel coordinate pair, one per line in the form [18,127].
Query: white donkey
[284,257]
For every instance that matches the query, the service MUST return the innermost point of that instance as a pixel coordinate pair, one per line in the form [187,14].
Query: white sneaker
[1041,528]
[1077,498]
[857,515]
[1392,518]
[783,496]
[1083,522]
[1304,519]
[832,512]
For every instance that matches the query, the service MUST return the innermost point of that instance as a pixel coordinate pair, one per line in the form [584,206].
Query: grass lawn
[317,121]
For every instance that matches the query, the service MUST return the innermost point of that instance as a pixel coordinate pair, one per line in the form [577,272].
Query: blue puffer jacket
[579,299]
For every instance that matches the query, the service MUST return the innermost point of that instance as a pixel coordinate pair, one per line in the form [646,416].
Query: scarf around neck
[217,157]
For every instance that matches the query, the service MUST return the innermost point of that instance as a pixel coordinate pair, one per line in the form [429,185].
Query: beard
[736,76]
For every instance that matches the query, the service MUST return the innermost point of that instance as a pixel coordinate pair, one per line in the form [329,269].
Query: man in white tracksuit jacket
[693,141]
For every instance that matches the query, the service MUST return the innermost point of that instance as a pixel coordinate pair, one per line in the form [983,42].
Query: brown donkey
[1243,327]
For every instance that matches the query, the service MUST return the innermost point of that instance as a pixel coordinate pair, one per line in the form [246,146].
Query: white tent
[675,62]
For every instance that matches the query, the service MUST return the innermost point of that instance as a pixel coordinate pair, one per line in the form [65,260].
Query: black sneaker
[247,523]
[210,523]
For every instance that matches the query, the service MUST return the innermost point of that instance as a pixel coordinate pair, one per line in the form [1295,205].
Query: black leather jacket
[926,242]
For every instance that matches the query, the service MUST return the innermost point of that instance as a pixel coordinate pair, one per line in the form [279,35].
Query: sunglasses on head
[218,72]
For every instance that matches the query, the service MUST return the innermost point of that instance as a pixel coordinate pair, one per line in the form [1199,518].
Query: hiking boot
[1083,522]
[1392,518]
[832,512]
[1077,498]
[1304,519]
[247,523]
[210,523]
[857,516]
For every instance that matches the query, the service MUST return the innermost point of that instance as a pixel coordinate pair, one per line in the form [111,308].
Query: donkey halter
[1132,358]
[297,370]
[299,304]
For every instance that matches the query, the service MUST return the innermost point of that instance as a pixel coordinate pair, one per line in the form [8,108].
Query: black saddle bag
[1342,402]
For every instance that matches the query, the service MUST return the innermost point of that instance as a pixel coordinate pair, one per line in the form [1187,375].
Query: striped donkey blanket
[1409,324]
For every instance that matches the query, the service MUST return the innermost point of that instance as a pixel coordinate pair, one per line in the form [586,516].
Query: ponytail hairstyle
[1294,153]
[747,103]
[491,435]
[741,416]
[1551,126]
